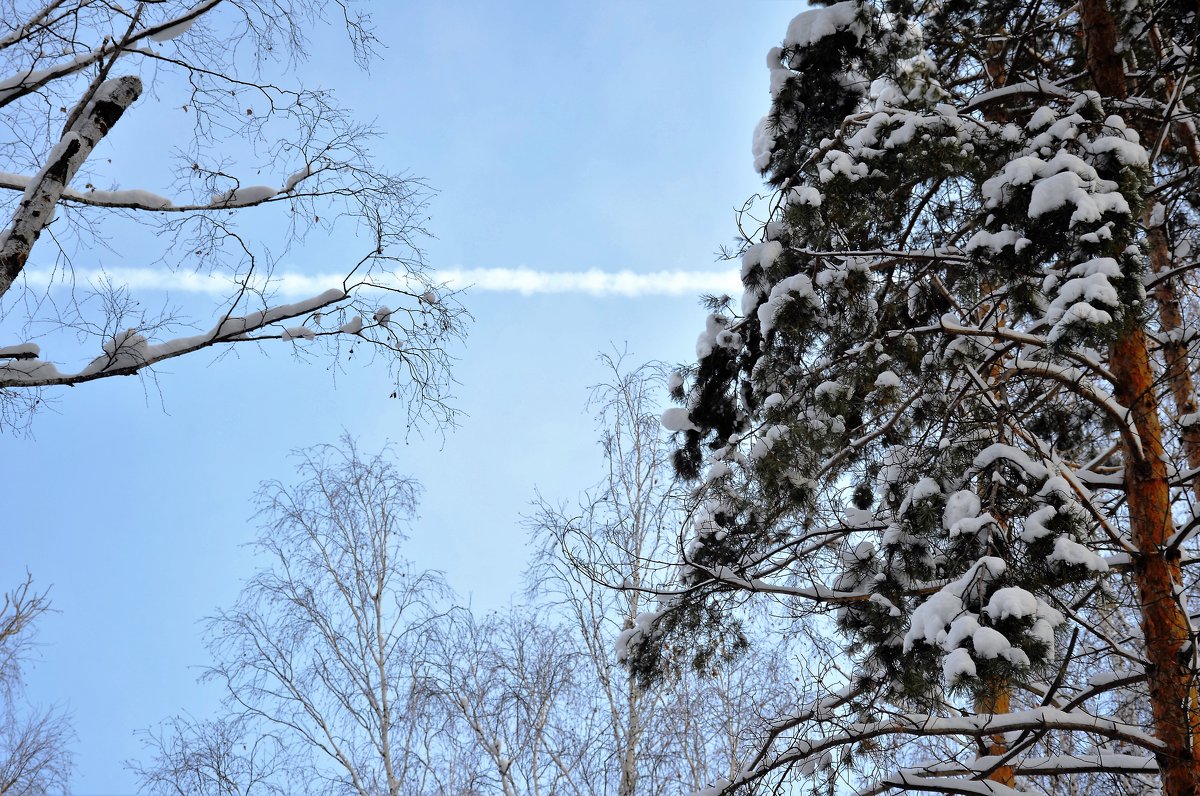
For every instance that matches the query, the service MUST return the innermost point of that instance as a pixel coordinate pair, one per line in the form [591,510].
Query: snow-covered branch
[36,209]
[224,106]
[137,199]
[127,353]
[31,80]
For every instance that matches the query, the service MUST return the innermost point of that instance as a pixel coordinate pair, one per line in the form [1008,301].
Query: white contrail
[523,280]
[593,282]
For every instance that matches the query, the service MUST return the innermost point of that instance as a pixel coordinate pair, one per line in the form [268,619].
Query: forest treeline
[921,517]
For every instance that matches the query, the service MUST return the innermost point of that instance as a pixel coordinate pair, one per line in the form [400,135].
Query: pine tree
[953,426]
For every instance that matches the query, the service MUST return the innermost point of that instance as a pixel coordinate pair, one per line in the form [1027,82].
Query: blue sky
[561,138]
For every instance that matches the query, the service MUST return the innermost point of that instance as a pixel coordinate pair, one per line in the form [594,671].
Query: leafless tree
[326,651]
[220,757]
[597,563]
[80,84]
[512,682]
[35,753]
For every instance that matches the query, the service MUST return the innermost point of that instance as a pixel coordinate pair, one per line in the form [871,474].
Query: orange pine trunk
[996,703]
[1157,573]
[1165,625]
[1175,349]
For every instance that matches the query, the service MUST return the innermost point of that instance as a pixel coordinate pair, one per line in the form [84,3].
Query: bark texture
[36,209]
[997,745]
[1157,572]
[1175,349]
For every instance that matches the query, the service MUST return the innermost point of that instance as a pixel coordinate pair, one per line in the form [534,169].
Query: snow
[1076,298]
[779,77]
[1127,152]
[809,27]
[299,333]
[295,179]
[1066,179]
[860,553]
[762,255]
[999,451]
[643,625]
[27,371]
[991,643]
[1011,601]
[887,380]
[958,665]
[797,287]
[241,197]
[182,27]
[887,604]
[960,506]
[1071,552]
[1042,118]
[130,349]
[717,470]
[353,326]
[996,242]
[231,327]
[137,197]
[1043,631]
[1057,764]
[124,350]
[716,334]
[805,195]
[962,628]
[1101,680]
[925,488]
[676,419]
[855,516]
[21,351]
[382,314]
[833,389]
[930,619]
[945,607]
[766,440]
[763,144]
[1035,524]
[1067,187]
[26,77]
[174,31]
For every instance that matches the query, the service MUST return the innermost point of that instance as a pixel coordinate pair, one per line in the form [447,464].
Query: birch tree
[254,170]
[599,565]
[35,756]
[515,685]
[325,659]
[949,425]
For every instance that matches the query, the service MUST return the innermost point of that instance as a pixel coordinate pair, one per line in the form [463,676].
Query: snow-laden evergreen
[932,417]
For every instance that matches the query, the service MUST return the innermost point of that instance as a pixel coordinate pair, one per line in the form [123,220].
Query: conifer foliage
[950,425]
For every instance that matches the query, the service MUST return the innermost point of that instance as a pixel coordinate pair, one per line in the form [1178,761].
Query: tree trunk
[1166,292]
[1175,348]
[36,209]
[629,761]
[995,703]
[1165,624]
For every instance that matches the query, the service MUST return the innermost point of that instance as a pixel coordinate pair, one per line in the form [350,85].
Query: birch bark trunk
[36,209]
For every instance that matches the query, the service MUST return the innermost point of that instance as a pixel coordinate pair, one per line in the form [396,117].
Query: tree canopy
[177,134]
[950,423]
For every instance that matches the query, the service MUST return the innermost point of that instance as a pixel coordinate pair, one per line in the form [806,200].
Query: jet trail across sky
[522,280]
